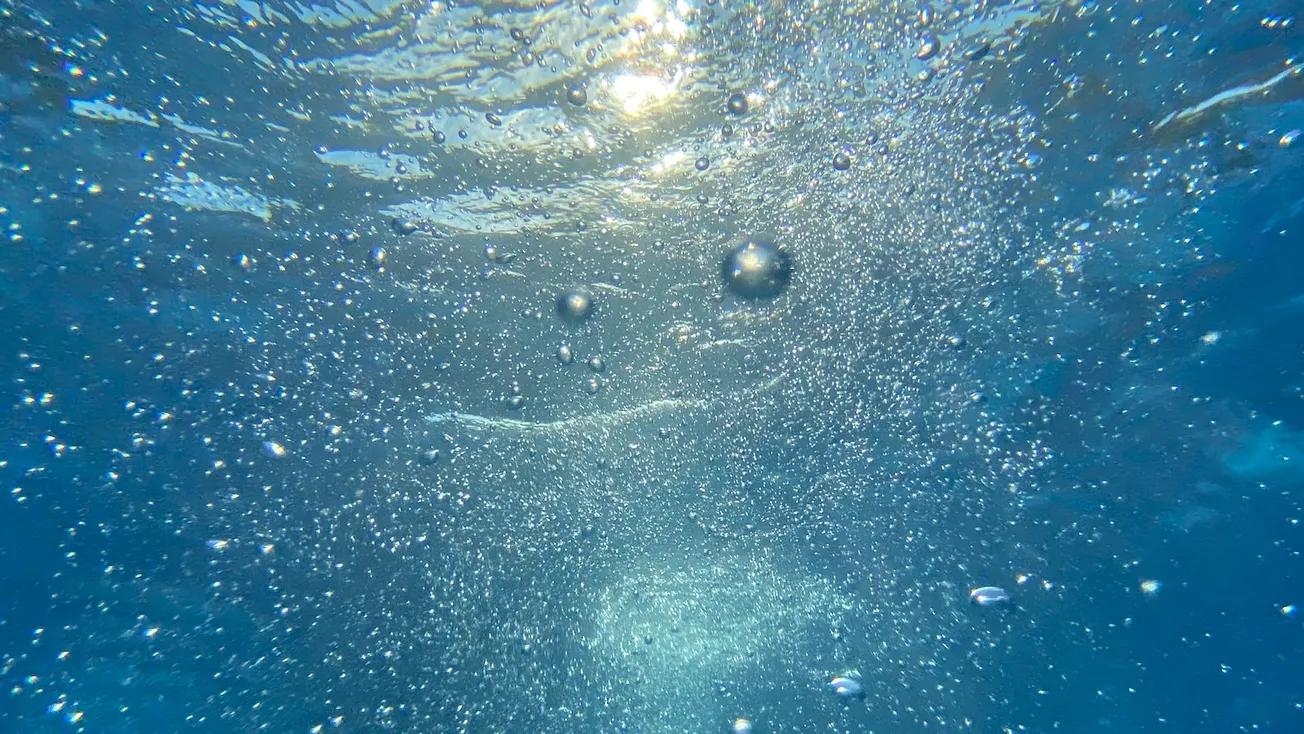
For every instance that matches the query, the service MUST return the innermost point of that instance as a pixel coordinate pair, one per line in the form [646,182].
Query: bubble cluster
[647,366]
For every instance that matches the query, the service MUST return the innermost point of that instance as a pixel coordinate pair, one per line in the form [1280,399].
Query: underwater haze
[652,366]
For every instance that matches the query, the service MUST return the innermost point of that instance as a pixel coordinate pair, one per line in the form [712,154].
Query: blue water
[1043,333]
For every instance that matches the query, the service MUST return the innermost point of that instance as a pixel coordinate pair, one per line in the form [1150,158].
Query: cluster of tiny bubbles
[471,494]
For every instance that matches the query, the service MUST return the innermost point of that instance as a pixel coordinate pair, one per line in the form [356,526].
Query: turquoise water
[299,440]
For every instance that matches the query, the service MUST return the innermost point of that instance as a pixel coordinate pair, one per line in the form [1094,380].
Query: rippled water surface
[300,438]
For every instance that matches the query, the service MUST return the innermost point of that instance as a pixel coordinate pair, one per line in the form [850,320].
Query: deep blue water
[1043,332]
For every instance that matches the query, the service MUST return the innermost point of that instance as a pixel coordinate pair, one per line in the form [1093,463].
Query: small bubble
[596,363]
[1289,138]
[493,119]
[977,51]
[736,104]
[841,161]
[575,305]
[274,449]
[577,96]
[989,596]
[702,163]
[928,48]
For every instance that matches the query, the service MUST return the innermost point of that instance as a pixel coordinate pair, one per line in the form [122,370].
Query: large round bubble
[757,269]
[575,305]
